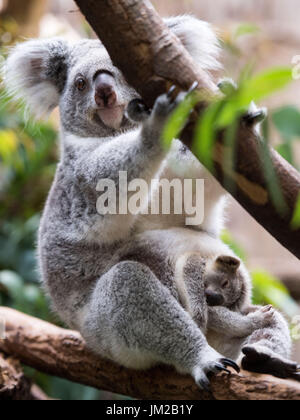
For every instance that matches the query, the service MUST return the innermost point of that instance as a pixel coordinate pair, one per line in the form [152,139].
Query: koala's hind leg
[268,351]
[134,320]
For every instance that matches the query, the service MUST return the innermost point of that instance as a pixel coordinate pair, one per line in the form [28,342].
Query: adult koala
[121,308]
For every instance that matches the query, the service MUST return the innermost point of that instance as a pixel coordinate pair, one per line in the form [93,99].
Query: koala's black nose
[213,298]
[105,91]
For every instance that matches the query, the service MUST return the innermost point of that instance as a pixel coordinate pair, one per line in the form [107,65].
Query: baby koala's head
[226,283]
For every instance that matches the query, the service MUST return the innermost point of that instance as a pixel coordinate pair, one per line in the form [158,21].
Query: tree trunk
[152,59]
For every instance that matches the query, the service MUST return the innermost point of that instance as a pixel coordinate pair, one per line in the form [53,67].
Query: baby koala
[230,315]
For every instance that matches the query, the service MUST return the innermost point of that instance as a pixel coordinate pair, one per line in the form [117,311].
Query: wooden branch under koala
[13,383]
[152,59]
[63,353]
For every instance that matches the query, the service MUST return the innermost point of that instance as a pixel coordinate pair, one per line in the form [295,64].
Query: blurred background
[263,33]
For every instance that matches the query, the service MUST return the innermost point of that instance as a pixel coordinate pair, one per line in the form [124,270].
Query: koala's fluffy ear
[36,72]
[228,263]
[198,38]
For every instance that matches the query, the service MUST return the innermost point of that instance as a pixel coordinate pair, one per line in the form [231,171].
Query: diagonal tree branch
[63,353]
[152,59]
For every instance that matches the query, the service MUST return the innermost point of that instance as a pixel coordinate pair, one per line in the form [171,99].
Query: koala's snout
[105,91]
[213,298]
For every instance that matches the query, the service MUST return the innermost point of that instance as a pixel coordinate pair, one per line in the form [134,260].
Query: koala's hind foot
[202,373]
[260,360]
[255,115]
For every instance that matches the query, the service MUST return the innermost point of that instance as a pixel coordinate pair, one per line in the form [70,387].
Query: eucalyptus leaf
[246,29]
[13,283]
[264,84]
[295,223]
[287,121]
[178,119]
[267,289]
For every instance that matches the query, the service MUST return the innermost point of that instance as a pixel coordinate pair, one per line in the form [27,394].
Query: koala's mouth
[112,117]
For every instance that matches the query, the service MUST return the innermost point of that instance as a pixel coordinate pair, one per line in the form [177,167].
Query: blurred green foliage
[27,153]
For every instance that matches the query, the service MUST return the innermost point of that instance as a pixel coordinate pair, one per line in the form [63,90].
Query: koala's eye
[225,284]
[80,84]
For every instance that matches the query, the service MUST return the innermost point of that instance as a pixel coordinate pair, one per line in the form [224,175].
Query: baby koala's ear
[198,38]
[228,263]
[36,73]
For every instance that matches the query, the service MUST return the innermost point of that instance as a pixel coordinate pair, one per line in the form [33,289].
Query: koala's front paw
[263,317]
[138,111]
[166,104]
[209,366]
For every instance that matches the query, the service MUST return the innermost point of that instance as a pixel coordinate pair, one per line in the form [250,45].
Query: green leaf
[32,294]
[205,133]
[272,180]
[227,238]
[246,29]
[8,145]
[286,151]
[13,283]
[178,119]
[287,121]
[295,223]
[269,290]
[264,84]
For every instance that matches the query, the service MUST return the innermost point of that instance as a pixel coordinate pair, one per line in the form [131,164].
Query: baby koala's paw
[263,317]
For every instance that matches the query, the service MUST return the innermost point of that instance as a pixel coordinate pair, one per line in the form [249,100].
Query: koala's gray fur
[126,309]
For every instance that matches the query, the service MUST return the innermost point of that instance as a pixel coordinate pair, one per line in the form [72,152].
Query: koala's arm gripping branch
[152,59]
[63,353]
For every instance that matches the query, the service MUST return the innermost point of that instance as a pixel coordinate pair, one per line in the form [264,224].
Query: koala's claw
[221,368]
[203,373]
[231,363]
[193,87]
[256,117]
[204,384]
[267,308]
[171,92]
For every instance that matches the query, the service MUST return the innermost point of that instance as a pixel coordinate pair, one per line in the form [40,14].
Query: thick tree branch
[13,383]
[63,353]
[152,59]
